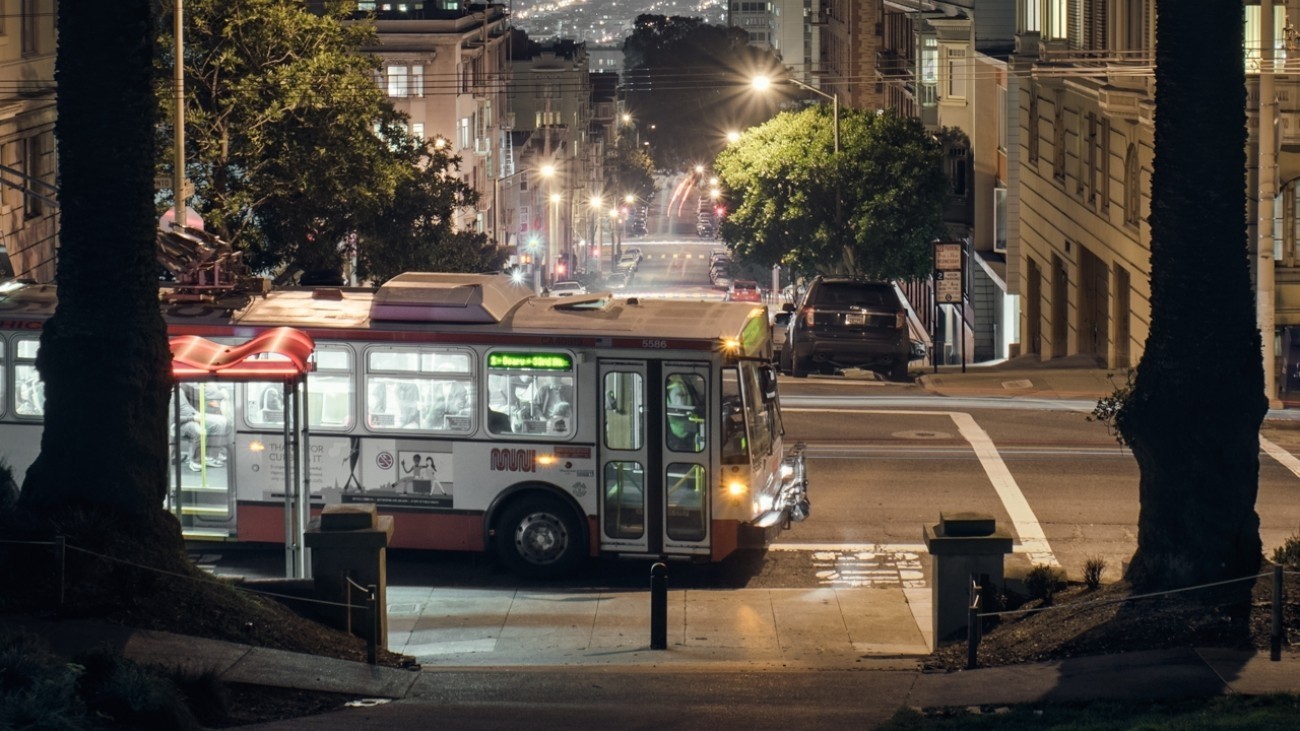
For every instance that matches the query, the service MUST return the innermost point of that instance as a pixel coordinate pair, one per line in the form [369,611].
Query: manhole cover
[922,435]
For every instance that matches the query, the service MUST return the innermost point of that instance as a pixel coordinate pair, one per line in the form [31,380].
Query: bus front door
[653,461]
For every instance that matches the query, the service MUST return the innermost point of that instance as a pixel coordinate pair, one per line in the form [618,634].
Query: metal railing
[61,549]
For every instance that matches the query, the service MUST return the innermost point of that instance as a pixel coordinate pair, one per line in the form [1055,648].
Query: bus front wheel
[539,537]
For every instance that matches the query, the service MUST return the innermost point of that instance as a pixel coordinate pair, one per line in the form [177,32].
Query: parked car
[619,279]
[743,290]
[634,251]
[628,261]
[848,322]
[567,289]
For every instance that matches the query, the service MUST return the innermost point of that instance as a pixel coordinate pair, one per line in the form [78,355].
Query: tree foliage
[782,179]
[1192,418]
[104,445]
[633,169]
[414,231]
[688,83]
[281,118]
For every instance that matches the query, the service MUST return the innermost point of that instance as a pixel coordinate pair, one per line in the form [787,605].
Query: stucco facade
[28,199]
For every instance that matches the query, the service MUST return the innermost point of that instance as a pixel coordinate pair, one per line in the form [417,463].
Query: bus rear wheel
[539,537]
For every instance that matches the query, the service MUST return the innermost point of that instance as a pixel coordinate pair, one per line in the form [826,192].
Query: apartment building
[850,40]
[1087,103]
[445,65]
[29,212]
[558,164]
[947,64]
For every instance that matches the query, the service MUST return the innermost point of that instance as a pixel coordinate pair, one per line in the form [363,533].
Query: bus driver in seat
[684,419]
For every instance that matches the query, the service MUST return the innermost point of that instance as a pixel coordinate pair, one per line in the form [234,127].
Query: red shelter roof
[199,359]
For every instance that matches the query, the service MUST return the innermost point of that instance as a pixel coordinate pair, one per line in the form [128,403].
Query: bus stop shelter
[279,355]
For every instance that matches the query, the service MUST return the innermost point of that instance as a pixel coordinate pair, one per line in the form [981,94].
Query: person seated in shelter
[206,422]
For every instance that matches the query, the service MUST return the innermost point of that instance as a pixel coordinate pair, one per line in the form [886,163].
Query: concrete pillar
[962,544]
[351,540]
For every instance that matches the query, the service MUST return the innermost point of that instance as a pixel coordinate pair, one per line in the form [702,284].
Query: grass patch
[1229,713]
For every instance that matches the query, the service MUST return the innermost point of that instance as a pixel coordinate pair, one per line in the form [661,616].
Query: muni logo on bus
[514,460]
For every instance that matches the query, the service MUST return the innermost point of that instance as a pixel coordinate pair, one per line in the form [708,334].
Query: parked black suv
[848,322]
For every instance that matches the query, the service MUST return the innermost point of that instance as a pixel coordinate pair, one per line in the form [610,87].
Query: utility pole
[178,81]
[1267,161]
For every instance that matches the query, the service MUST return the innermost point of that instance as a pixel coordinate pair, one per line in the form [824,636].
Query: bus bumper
[791,503]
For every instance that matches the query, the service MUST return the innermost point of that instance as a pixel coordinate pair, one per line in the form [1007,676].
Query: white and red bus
[479,416]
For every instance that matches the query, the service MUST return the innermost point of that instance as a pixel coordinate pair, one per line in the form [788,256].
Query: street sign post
[949,289]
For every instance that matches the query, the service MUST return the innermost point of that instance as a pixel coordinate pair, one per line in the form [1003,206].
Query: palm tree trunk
[1198,400]
[104,355]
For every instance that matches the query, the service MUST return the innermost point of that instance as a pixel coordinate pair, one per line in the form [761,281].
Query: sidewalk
[1074,377]
[875,687]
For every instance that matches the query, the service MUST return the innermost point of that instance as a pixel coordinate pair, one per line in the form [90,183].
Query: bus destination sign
[531,361]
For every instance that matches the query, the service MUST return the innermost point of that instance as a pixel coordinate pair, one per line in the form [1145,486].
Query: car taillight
[900,320]
[808,314]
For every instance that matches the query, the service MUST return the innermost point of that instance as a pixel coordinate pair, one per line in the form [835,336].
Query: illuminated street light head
[760,83]
[733,136]
[547,170]
[556,197]
[699,168]
[596,201]
[629,198]
[626,118]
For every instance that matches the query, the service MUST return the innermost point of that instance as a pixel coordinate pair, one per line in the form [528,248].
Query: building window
[464,141]
[1132,193]
[1058,21]
[1031,15]
[1033,127]
[398,81]
[31,18]
[1002,119]
[957,167]
[999,219]
[956,72]
[417,81]
[1103,151]
[1058,139]
[417,130]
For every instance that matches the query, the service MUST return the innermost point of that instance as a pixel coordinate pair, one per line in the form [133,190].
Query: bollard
[372,637]
[60,557]
[659,607]
[973,626]
[1275,639]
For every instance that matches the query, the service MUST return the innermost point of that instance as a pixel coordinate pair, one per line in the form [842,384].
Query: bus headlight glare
[256,446]
[737,488]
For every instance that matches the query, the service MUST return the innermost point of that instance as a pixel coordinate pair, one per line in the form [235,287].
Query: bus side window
[29,389]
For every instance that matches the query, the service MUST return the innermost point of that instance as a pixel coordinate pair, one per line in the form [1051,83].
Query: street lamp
[733,137]
[762,83]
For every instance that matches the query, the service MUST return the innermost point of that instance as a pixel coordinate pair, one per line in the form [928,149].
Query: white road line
[1022,516]
[1028,529]
[1285,458]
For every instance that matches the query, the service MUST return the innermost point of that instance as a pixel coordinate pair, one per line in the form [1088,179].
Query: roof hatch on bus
[430,297]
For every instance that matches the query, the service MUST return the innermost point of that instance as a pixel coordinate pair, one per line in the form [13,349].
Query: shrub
[1287,555]
[131,695]
[1093,568]
[1043,582]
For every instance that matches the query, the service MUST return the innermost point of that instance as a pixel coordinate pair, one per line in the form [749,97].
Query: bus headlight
[736,488]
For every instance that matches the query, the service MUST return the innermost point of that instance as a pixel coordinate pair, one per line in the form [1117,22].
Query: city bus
[479,416]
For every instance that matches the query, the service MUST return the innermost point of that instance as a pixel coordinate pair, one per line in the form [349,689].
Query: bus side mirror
[767,379]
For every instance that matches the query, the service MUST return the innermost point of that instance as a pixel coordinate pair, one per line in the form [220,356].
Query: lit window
[397,81]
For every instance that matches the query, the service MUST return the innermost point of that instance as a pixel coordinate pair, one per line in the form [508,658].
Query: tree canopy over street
[1194,413]
[782,180]
[687,84]
[290,143]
